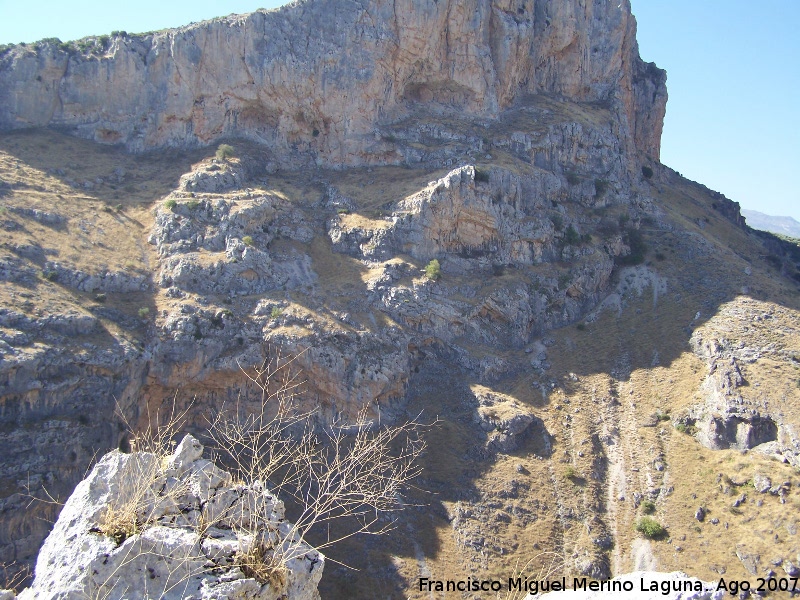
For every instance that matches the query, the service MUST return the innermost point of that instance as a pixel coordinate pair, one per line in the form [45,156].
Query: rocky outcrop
[726,419]
[275,76]
[144,526]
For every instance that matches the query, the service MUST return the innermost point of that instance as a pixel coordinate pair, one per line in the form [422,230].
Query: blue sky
[733,77]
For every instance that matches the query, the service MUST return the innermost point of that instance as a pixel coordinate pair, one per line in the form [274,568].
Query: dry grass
[132,510]
[261,564]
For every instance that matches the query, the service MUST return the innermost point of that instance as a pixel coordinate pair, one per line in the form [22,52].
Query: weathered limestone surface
[193,524]
[319,76]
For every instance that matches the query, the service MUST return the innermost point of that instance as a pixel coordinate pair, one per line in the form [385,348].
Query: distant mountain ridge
[782,225]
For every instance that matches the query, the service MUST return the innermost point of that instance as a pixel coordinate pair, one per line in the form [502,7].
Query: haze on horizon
[731,122]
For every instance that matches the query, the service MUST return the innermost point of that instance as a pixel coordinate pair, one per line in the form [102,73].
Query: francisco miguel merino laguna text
[535,586]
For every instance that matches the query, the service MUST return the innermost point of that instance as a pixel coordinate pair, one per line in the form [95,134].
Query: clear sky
[733,120]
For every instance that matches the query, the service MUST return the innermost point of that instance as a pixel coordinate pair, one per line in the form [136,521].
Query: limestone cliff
[321,76]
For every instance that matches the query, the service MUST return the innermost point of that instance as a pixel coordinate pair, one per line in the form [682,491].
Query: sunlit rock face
[319,76]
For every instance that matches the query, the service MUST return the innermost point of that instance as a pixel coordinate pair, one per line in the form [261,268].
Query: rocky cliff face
[320,77]
[514,144]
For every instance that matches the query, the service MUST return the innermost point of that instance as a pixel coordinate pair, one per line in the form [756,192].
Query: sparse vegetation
[247,240]
[571,236]
[481,175]
[192,204]
[276,312]
[687,429]
[433,270]
[648,507]
[350,473]
[600,187]
[342,211]
[650,528]
[573,179]
[224,152]
[144,312]
[53,41]
[647,172]
[170,204]
[633,238]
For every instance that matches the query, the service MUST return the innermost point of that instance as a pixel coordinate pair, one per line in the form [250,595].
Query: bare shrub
[355,471]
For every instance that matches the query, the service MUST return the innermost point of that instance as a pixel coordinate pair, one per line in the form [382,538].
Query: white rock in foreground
[193,527]
[677,585]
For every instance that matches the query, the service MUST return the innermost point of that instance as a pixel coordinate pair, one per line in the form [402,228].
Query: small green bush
[276,312]
[192,204]
[647,172]
[99,297]
[571,236]
[481,175]
[49,275]
[558,222]
[570,472]
[650,528]
[224,152]
[573,179]
[248,240]
[342,211]
[144,312]
[648,507]
[633,238]
[581,327]
[170,204]
[433,270]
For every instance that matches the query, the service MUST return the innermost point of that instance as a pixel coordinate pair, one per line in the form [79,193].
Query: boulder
[148,526]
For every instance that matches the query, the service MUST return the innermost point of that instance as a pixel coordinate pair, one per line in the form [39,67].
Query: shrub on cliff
[433,270]
[224,152]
